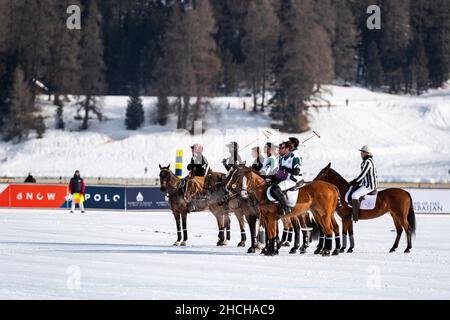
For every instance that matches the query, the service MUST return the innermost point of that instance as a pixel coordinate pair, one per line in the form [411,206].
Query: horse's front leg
[252,226]
[185,233]
[221,226]
[296,225]
[178,223]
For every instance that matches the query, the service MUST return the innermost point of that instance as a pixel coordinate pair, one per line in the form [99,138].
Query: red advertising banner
[38,196]
[4,195]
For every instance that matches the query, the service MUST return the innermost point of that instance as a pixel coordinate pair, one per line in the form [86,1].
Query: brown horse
[210,189]
[319,197]
[174,188]
[396,201]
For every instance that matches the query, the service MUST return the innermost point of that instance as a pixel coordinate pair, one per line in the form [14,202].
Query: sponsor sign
[38,196]
[4,195]
[146,198]
[97,197]
[430,201]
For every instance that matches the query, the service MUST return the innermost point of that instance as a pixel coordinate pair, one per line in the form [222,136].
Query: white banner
[431,201]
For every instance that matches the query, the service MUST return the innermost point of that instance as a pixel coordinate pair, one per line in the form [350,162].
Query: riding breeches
[286,184]
[360,192]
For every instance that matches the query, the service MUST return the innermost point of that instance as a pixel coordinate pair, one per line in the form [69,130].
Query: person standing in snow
[77,189]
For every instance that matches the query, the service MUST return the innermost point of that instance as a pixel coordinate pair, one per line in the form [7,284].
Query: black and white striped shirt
[368,175]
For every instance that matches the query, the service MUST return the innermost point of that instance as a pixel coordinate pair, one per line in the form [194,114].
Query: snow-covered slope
[410,137]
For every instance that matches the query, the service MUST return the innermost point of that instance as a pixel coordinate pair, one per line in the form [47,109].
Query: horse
[394,200]
[174,188]
[308,227]
[211,191]
[321,198]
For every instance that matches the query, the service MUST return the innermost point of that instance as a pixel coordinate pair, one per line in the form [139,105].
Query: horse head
[328,174]
[167,179]
[238,182]
[324,174]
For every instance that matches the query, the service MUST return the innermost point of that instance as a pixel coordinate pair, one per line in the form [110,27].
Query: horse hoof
[335,252]
[183,244]
[251,250]
[392,250]
[350,250]
[177,244]
[342,250]
[220,243]
[326,253]
[317,251]
[286,244]
[293,250]
[225,243]
[241,244]
[406,251]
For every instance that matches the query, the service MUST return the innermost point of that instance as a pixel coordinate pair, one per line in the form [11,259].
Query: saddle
[367,202]
[291,193]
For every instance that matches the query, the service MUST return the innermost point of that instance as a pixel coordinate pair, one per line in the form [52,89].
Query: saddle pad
[367,203]
[291,195]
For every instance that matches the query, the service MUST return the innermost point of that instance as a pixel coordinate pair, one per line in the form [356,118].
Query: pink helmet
[197,148]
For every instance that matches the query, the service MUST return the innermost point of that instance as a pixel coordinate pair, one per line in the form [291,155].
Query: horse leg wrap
[221,235]
[289,238]
[338,242]
[243,235]
[228,233]
[321,241]
[285,234]
[328,243]
[297,239]
[185,236]
[344,240]
[352,241]
[179,235]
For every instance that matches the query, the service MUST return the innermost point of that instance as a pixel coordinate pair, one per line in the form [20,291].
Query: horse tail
[411,216]
[311,222]
[339,202]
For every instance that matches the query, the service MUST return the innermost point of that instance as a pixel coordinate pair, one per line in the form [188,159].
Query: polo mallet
[315,135]
[266,134]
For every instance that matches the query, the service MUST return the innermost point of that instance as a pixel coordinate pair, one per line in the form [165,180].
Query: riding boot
[282,199]
[355,209]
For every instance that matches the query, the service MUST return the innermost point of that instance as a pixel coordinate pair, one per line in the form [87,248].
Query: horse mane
[341,178]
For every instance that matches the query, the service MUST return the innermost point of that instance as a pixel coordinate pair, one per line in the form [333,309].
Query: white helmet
[366,149]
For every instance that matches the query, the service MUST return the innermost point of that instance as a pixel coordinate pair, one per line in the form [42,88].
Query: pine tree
[189,66]
[134,117]
[395,37]
[92,66]
[419,66]
[19,119]
[344,42]
[63,70]
[304,62]
[40,127]
[374,74]
[438,42]
[259,46]
[162,110]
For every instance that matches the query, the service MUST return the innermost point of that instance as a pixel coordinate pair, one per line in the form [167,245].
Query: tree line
[280,51]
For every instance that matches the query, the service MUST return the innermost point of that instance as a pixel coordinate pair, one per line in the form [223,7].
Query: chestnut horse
[321,198]
[396,201]
[174,188]
[210,190]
